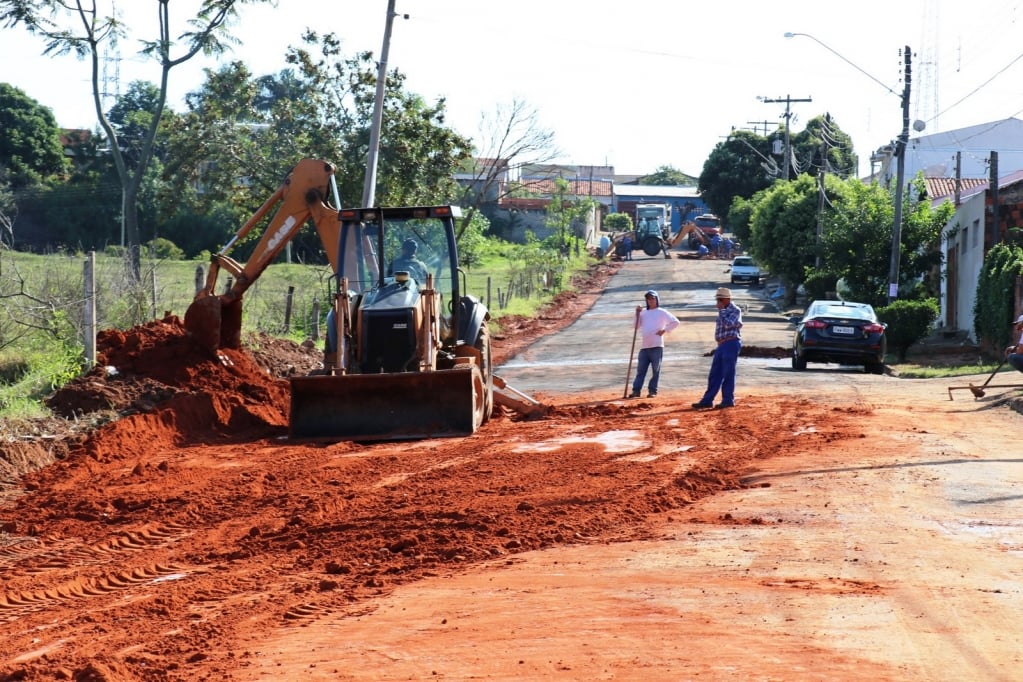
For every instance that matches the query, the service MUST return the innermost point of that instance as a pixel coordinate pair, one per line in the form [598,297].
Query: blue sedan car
[841,332]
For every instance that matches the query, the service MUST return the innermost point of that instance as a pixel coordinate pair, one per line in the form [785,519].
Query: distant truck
[653,218]
[709,225]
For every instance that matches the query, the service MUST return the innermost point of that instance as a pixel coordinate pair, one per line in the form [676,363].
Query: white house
[966,239]
[938,154]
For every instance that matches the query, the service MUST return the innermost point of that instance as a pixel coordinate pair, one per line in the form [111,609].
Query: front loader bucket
[400,406]
[213,324]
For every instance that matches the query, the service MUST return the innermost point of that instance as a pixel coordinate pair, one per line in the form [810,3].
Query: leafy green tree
[30,147]
[568,218]
[418,152]
[132,117]
[241,127]
[81,29]
[737,167]
[783,229]
[857,240]
[739,215]
[855,237]
[743,164]
[821,135]
[472,242]
[667,175]
[856,243]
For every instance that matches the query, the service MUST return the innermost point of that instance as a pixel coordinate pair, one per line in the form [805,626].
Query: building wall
[971,241]
[968,242]
[627,204]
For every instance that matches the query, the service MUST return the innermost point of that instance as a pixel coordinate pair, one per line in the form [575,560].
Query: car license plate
[843,330]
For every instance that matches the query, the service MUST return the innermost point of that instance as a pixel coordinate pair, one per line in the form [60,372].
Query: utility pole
[767,125]
[900,179]
[369,187]
[788,115]
[820,198]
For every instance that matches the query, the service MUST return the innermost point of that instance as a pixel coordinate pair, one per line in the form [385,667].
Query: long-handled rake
[635,330]
[977,391]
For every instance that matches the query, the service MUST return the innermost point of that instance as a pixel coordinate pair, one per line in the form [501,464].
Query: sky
[635,85]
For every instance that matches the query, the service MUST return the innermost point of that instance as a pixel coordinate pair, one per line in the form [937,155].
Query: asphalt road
[593,353]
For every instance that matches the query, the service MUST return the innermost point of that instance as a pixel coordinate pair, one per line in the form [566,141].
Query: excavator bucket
[213,324]
[396,406]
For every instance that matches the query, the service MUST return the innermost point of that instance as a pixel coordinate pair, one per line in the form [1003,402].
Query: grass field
[43,301]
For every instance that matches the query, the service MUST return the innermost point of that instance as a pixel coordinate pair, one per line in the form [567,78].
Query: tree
[667,175]
[132,117]
[783,230]
[737,167]
[30,147]
[822,145]
[509,139]
[241,134]
[8,212]
[82,30]
[743,164]
[857,240]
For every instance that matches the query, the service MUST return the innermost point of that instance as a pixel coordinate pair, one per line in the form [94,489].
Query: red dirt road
[872,535]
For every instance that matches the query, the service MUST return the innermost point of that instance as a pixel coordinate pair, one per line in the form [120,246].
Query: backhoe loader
[408,351]
[653,243]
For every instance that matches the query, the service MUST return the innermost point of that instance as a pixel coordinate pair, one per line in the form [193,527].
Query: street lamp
[900,155]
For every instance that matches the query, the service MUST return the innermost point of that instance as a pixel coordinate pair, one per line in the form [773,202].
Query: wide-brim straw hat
[724,292]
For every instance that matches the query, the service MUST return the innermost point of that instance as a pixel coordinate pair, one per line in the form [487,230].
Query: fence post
[90,311]
[152,285]
[287,308]
[316,319]
[200,279]
[488,291]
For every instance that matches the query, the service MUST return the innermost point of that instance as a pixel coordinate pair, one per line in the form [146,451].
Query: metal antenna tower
[926,105]
[110,74]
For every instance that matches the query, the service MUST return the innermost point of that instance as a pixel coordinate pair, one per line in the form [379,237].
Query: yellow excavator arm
[687,229]
[215,321]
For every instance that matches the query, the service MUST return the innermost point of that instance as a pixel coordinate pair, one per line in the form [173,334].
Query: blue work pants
[649,358]
[722,373]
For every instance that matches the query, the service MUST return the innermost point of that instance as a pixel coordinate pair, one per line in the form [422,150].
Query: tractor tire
[486,369]
[651,246]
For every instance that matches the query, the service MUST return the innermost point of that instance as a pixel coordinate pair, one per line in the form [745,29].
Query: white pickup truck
[744,269]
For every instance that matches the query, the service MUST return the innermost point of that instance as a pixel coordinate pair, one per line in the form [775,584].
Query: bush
[996,287]
[908,322]
[820,285]
[617,222]
[13,368]
[164,249]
